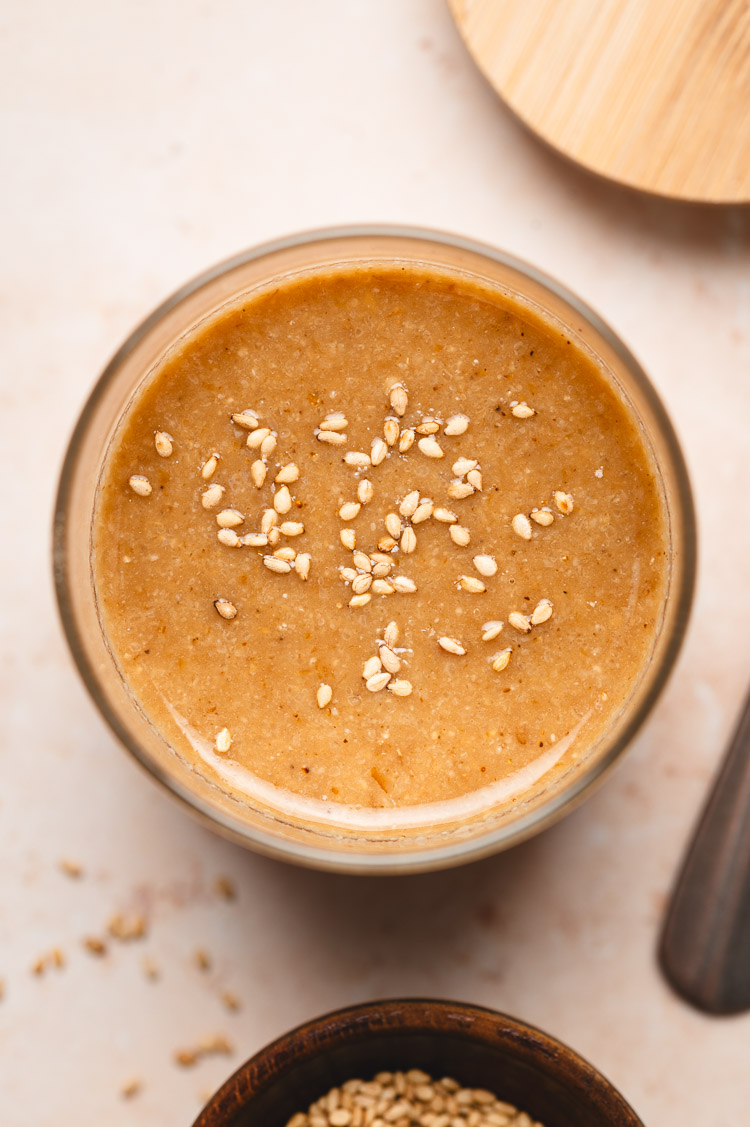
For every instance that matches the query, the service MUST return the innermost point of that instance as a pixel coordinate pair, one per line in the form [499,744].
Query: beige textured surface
[653,93]
[142,143]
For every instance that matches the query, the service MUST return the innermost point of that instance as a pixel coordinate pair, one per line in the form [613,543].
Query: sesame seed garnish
[471,584]
[71,868]
[280,567]
[422,512]
[335,421]
[519,622]
[291,528]
[140,485]
[287,553]
[164,443]
[381,569]
[485,565]
[273,537]
[361,583]
[463,465]
[377,682]
[331,438]
[459,535]
[256,437]
[372,666]
[406,440]
[287,474]
[391,661]
[474,477]
[258,471]
[521,525]
[365,491]
[229,518]
[378,451]
[490,630]
[428,426]
[500,661]
[400,688]
[211,496]
[228,537]
[456,424]
[564,501]
[387,543]
[324,695]
[522,410]
[131,1088]
[360,600]
[302,564]
[398,398]
[451,645]
[268,445]
[458,490]
[282,500]
[95,946]
[208,469]
[408,541]
[430,447]
[202,959]
[362,561]
[225,887]
[348,538]
[225,608]
[391,430]
[248,420]
[268,519]
[543,517]
[393,524]
[357,458]
[541,612]
[404,585]
[230,1000]
[255,539]
[382,558]
[349,510]
[445,516]
[391,634]
[223,741]
[382,587]
[409,504]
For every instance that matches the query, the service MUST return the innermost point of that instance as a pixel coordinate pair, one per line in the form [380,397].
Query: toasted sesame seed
[335,421]
[463,465]
[456,424]
[378,451]
[387,543]
[291,528]
[324,694]
[131,1088]
[255,539]
[445,516]
[564,501]
[519,622]
[521,526]
[471,584]
[522,410]
[349,510]
[228,537]
[273,536]
[229,518]
[258,471]
[381,557]
[458,490]
[451,645]
[541,612]
[357,458]
[490,630]
[302,564]
[287,474]
[430,447]
[409,504]
[282,500]
[164,443]
[348,574]
[230,1000]
[225,608]
[248,420]
[256,437]
[381,569]
[406,440]
[211,496]
[543,517]
[391,429]
[362,561]
[372,666]
[393,524]
[382,587]
[140,485]
[223,740]
[208,469]
[377,682]
[459,535]
[361,583]
[500,661]
[360,600]
[408,541]
[391,634]
[485,565]
[391,661]
[71,868]
[268,519]
[288,554]
[400,688]
[331,438]
[428,426]
[474,477]
[280,567]
[365,491]
[404,585]
[95,946]
[398,398]
[268,445]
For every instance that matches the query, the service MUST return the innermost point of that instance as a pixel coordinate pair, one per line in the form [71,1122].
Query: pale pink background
[142,142]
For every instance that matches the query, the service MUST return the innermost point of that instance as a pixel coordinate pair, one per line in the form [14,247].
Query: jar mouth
[310,252]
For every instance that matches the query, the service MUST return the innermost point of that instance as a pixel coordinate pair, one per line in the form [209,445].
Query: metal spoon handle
[705,944]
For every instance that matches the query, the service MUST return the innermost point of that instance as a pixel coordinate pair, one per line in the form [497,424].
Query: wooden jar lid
[652,93]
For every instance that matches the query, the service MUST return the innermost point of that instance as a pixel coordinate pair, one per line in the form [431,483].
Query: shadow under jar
[375,547]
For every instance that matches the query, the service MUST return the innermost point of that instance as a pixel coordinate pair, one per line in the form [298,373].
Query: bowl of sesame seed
[417,1063]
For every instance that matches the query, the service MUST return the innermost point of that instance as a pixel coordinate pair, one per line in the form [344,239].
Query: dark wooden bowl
[479,1047]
